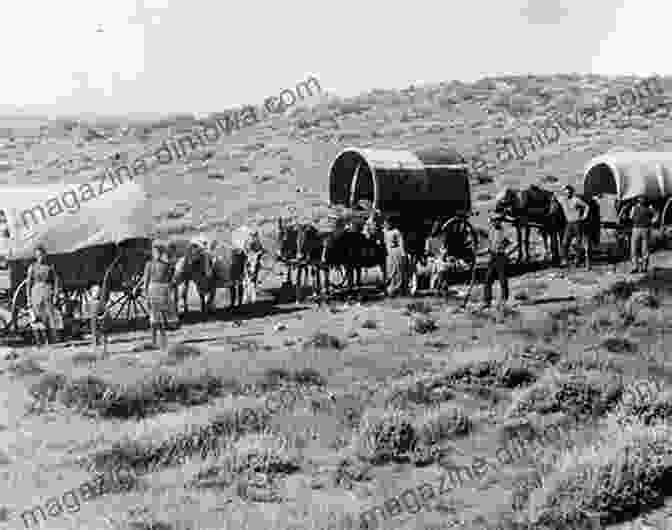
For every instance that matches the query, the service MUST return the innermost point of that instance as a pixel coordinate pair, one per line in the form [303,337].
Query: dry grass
[456,391]
[613,480]
[137,400]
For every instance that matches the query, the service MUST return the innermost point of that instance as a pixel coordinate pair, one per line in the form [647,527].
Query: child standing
[99,317]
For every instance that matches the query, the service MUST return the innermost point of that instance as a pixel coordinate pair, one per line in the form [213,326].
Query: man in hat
[576,212]
[642,216]
[497,265]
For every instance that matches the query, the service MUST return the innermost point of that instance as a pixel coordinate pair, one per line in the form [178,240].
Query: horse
[210,273]
[533,205]
[300,248]
[354,251]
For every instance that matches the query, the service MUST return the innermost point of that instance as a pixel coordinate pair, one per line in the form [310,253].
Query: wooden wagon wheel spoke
[144,309]
[128,309]
[122,281]
[21,324]
[121,309]
[118,300]
[461,239]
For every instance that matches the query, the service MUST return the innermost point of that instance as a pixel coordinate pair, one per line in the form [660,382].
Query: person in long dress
[436,253]
[42,286]
[158,283]
[99,318]
[397,263]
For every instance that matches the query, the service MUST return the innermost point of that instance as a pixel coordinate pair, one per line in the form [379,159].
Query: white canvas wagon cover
[630,174]
[65,218]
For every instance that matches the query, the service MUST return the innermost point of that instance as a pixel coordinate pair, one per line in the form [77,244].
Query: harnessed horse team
[315,255]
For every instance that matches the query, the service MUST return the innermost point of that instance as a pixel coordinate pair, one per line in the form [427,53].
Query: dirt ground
[466,381]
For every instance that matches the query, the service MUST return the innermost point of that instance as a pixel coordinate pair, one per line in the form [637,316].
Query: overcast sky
[208,55]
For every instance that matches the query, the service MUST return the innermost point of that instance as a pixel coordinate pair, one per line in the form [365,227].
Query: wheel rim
[460,232]
[21,311]
[123,298]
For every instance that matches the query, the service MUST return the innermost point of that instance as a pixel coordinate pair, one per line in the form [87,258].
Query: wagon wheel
[665,221]
[461,241]
[121,290]
[21,312]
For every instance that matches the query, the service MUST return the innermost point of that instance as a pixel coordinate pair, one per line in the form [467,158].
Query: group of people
[437,260]
[642,216]
[159,283]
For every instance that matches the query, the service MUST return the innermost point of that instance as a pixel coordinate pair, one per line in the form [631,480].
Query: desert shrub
[646,407]
[308,376]
[93,395]
[423,324]
[619,345]
[384,437]
[369,323]
[48,388]
[613,480]
[349,471]
[274,377]
[435,426]
[577,395]
[491,373]
[541,354]
[420,392]
[150,455]
[619,291]
[644,299]
[321,339]
[261,453]
[419,306]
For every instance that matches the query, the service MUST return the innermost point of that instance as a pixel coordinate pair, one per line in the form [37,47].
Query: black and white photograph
[340,266]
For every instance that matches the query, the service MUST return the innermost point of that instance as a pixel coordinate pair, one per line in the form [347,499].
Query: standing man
[497,265]
[642,216]
[576,212]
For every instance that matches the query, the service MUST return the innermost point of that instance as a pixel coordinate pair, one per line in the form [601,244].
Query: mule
[353,251]
[300,249]
[534,205]
[209,273]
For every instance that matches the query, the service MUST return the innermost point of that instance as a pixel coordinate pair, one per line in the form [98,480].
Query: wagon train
[617,179]
[417,188]
[103,242]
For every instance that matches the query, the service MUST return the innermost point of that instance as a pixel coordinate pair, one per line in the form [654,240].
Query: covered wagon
[418,187]
[617,179]
[91,239]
